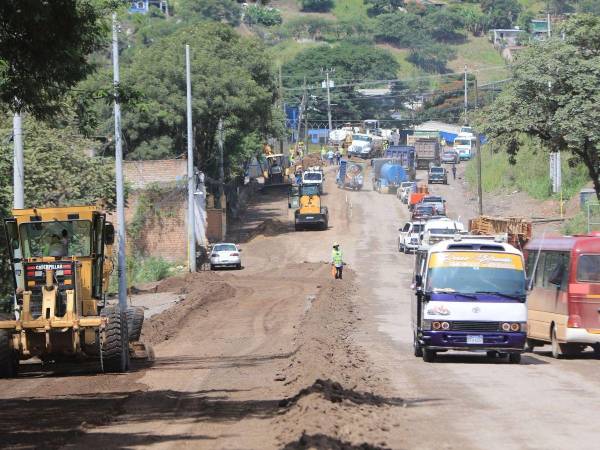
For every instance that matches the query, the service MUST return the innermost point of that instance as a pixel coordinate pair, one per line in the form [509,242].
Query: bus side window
[565,260]
[555,268]
[539,271]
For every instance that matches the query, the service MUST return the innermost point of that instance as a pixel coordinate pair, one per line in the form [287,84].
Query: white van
[470,296]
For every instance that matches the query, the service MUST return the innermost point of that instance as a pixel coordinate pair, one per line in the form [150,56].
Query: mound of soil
[270,227]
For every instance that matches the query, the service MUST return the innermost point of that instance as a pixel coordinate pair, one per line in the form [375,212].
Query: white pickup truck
[409,236]
[437,230]
[314,178]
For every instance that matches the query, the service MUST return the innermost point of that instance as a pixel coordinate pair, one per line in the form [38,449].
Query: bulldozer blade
[139,350]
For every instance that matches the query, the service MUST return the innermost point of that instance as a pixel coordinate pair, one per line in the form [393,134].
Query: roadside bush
[262,16]
[316,5]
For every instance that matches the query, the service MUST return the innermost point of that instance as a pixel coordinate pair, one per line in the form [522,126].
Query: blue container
[393,173]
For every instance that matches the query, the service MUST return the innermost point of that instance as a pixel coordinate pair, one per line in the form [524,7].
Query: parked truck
[427,152]
[388,174]
[350,175]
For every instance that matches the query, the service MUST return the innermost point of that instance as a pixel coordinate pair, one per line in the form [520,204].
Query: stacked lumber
[517,229]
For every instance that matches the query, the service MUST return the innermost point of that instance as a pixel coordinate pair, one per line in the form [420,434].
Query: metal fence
[593,216]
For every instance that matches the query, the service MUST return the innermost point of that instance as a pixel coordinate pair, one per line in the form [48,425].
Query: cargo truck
[406,155]
[427,152]
[388,174]
[350,175]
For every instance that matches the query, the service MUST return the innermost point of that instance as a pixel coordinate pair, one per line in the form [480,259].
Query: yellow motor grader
[61,262]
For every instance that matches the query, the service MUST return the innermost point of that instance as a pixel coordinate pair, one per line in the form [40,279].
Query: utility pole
[122,266]
[190,167]
[18,165]
[306,127]
[478,150]
[221,169]
[301,111]
[280,86]
[328,102]
[466,98]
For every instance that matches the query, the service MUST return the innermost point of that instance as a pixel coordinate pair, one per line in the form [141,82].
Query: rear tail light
[574,321]
[234,254]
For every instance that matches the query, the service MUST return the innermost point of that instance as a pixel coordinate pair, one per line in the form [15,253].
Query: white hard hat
[336,244]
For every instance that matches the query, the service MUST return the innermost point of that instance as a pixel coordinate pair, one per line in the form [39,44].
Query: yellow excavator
[310,214]
[61,263]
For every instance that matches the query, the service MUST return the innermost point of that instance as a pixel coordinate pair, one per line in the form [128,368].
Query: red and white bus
[564,299]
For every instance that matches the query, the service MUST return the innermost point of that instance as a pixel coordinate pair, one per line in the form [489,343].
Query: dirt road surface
[279,355]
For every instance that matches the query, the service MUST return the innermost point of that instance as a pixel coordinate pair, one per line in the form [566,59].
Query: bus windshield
[463,142]
[476,273]
[58,238]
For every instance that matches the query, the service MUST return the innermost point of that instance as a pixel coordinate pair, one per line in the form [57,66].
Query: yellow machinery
[61,261]
[310,214]
[276,170]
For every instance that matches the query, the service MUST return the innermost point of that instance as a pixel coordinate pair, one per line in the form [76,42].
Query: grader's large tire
[8,360]
[115,349]
[135,320]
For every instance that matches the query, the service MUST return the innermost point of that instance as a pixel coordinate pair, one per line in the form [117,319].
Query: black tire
[514,358]
[135,320]
[238,266]
[417,349]
[115,349]
[212,267]
[530,345]
[428,355]
[9,362]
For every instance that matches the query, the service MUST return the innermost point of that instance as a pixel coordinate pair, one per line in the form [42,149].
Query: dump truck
[516,230]
[61,262]
[427,152]
[310,213]
[350,175]
[406,155]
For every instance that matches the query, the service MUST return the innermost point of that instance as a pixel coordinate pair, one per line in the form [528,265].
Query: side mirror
[239,250]
[109,234]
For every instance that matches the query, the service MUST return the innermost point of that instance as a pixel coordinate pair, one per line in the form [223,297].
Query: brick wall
[140,174]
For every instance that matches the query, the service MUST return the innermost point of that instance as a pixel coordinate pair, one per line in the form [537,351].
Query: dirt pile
[348,406]
[269,227]
[199,290]
[312,159]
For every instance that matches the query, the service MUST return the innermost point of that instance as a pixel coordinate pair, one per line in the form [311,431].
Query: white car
[313,178]
[405,189]
[409,236]
[441,229]
[225,255]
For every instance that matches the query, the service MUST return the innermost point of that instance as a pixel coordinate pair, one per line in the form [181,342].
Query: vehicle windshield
[58,238]
[443,231]
[588,268]
[406,184]
[462,142]
[437,170]
[225,248]
[417,227]
[474,273]
[313,176]
[425,209]
[432,200]
[310,190]
[449,154]
[360,137]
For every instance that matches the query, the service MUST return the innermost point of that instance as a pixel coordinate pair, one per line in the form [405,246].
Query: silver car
[225,255]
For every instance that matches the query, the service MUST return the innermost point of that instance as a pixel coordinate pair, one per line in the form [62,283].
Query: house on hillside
[143,6]
[506,37]
[539,29]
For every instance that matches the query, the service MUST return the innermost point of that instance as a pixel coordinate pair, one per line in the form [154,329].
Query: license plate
[474,339]
[309,217]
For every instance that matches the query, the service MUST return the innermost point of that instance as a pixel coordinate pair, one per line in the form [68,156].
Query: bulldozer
[61,262]
[310,214]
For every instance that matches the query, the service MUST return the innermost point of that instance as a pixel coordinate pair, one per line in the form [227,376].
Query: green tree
[232,78]
[43,50]
[553,97]
[589,6]
[400,29]
[316,5]
[430,56]
[501,13]
[228,11]
[444,25]
[377,7]
[352,63]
